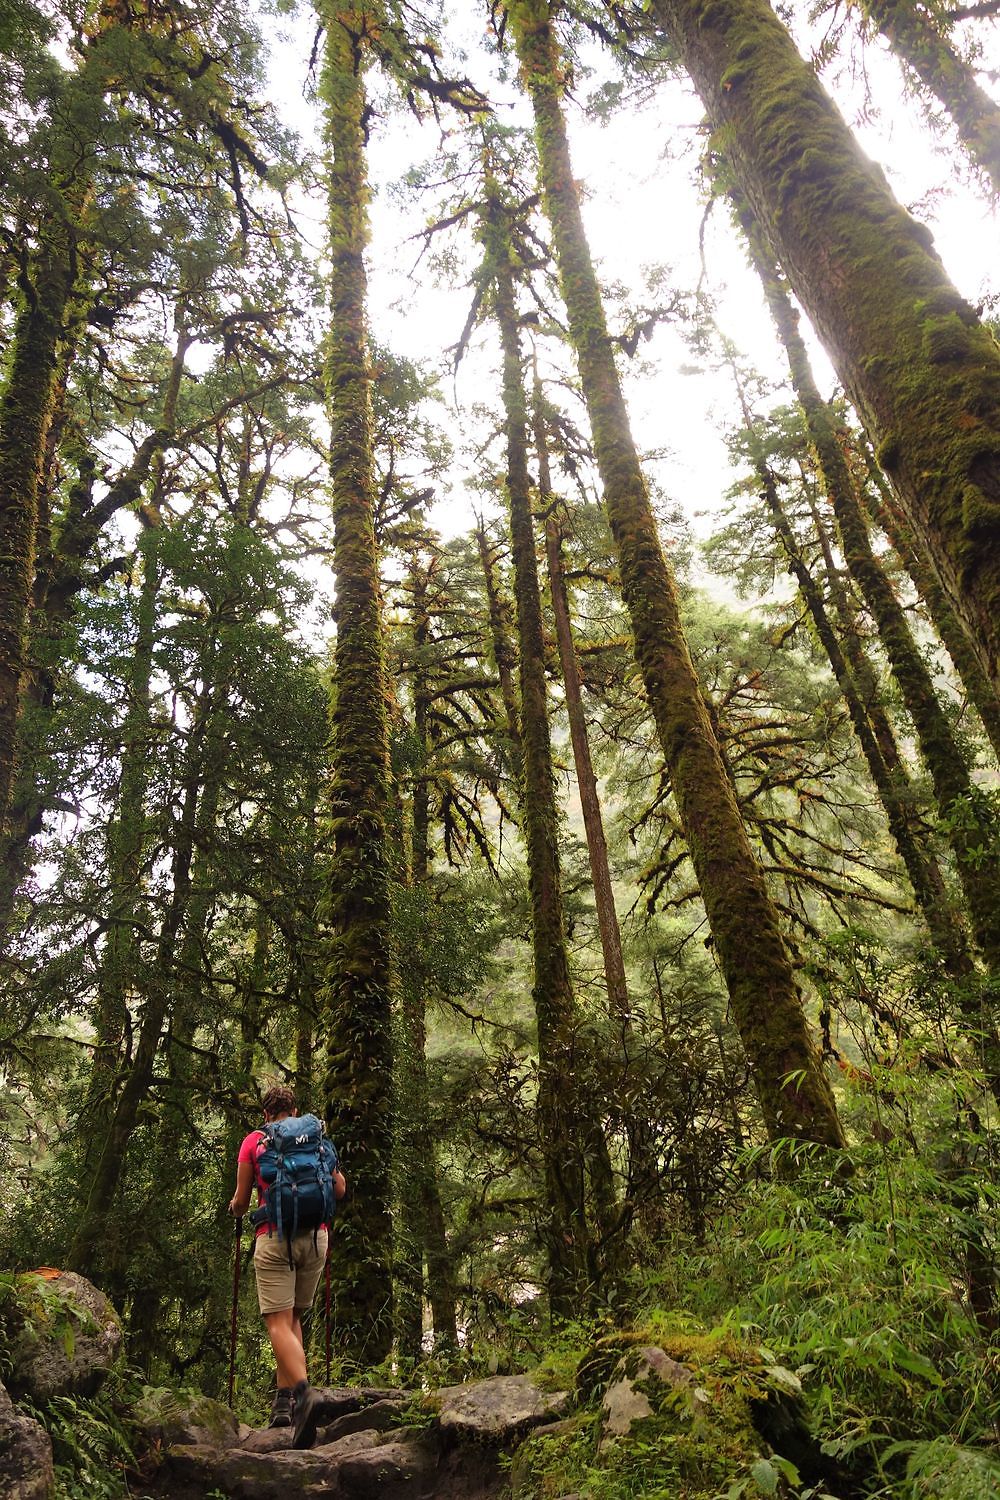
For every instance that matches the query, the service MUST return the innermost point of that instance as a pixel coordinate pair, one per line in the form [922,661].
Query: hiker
[288,1256]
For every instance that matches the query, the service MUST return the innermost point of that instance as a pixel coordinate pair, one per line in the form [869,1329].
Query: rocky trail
[456,1445]
[696,1412]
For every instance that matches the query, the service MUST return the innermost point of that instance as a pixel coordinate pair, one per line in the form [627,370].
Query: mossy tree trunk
[411,1070]
[894,789]
[559,1107]
[118,974]
[967,819]
[941,910]
[25,413]
[504,650]
[422,1229]
[916,37]
[91,1252]
[356,1001]
[590,802]
[795,1096]
[917,363]
[884,511]
[59,577]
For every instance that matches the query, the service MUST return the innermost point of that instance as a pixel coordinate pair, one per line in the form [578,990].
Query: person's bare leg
[297,1326]
[286,1341]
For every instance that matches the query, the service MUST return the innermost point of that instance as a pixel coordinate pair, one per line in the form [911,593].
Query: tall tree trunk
[915,360]
[886,514]
[967,819]
[560,1114]
[795,1096]
[59,578]
[916,37]
[643,1173]
[25,413]
[89,1252]
[411,1075]
[894,790]
[504,652]
[423,1234]
[590,802]
[356,1004]
[118,974]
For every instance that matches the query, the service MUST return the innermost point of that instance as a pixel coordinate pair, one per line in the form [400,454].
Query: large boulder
[62,1335]
[697,1412]
[26,1471]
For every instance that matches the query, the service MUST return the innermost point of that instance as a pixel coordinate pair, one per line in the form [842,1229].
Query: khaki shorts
[280,1285]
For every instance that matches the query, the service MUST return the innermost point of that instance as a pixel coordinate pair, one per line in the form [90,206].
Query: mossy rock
[673,1410]
[61,1336]
[170,1419]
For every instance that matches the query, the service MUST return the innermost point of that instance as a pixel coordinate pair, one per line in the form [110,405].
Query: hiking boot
[305,1415]
[281,1407]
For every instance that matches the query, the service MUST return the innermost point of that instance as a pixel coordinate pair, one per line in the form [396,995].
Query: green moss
[944,338]
[356,993]
[696,1438]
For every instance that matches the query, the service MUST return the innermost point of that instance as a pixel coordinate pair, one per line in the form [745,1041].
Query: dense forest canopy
[500,633]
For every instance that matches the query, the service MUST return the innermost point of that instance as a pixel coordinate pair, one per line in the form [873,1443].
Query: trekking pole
[328,1310]
[236,1298]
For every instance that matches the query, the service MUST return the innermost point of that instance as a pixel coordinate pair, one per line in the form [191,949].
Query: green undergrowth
[870,1293]
[861,1290]
[94,1443]
[694,1435]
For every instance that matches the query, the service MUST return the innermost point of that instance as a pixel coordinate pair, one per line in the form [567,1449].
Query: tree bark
[968,822]
[560,1114]
[58,580]
[886,514]
[795,1096]
[89,1251]
[590,802]
[894,790]
[920,368]
[126,840]
[504,653]
[423,1228]
[25,414]
[356,999]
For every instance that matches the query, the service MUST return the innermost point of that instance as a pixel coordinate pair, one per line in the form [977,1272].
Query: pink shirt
[250,1151]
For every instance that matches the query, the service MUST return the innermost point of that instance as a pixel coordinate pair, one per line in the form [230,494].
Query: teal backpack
[296,1167]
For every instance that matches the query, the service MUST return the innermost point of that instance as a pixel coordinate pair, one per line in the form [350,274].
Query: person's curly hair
[278,1101]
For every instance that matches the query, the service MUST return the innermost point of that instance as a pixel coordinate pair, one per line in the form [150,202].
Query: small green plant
[91,1447]
[557,1369]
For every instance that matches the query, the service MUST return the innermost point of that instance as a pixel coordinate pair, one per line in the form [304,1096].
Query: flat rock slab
[389,1472]
[244,1475]
[381,1416]
[341,1400]
[498,1409]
